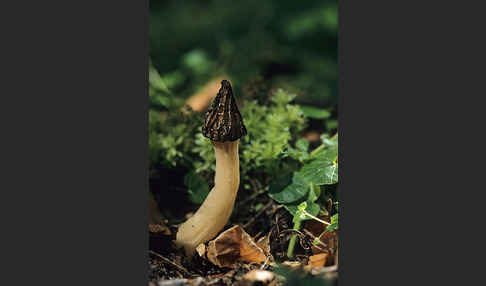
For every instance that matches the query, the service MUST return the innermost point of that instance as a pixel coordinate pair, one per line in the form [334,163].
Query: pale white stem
[215,211]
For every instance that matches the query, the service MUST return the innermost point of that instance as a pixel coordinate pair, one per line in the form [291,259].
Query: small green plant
[299,196]
[302,214]
[270,128]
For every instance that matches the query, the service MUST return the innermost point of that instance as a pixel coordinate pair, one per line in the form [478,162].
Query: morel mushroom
[224,126]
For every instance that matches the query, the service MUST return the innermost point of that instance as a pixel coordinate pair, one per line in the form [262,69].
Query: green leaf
[331,124]
[302,145]
[320,171]
[291,193]
[314,112]
[323,169]
[198,189]
[311,208]
[314,193]
[334,219]
[329,142]
[334,223]
[302,206]
[309,205]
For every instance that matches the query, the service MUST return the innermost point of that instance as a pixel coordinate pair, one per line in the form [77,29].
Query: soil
[169,266]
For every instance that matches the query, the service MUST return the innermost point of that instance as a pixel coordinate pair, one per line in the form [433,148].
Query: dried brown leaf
[200,100]
[318,260]
[249,250]
[264,244]
[232,246]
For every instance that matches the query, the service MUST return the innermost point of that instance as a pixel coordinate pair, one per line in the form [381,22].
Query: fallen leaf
[249,250]
[328,238]
[200,100]
[232,246]
[264,244]
[318,260]
[224,250]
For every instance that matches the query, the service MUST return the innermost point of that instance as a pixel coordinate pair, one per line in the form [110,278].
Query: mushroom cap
[223,120]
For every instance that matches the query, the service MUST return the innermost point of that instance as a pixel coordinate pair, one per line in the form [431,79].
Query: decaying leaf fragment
[328,240]
[201,249]
[318,260]
[264,244]
[201,100]
[235,245]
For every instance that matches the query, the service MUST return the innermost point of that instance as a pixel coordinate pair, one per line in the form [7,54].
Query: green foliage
[310,205]
[175,138]
[295,191]
[314,112]
[293,46]
[320,168]
[334,223]
[270,130]
[300,196]
[168,126]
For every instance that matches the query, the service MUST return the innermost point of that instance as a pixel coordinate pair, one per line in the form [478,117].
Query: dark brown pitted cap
[223,119]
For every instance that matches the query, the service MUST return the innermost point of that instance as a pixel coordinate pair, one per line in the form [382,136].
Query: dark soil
[169,265]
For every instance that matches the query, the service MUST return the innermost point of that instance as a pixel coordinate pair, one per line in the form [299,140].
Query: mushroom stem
[224,126]
[215,211]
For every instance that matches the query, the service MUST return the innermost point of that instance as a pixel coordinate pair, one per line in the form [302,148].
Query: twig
[314,237]
[316,218]
[258,214]
[265,264]
[180,267]
[292,230]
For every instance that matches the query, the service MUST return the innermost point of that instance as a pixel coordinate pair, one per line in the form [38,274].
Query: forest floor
[269,229]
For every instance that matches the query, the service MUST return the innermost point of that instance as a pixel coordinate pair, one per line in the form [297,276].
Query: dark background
[287,44]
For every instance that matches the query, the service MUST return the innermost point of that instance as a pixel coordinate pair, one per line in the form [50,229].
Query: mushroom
[224,126]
